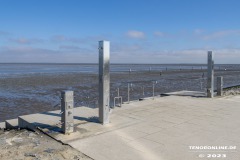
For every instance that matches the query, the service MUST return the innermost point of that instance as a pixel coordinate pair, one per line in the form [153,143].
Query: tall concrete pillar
[210,78]
[220,86]
[67,112]
[104,81]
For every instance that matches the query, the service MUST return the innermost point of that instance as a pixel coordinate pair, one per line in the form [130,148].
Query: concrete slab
[11,124]
[159,129]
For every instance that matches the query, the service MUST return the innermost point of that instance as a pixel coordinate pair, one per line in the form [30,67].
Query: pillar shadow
[92,119]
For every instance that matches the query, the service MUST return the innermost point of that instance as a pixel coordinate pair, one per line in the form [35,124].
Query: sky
[140,31]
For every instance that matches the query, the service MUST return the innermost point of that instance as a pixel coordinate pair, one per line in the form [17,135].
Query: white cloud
[135,34]
[26,40]
[198,31]
[159,34]
[3,33]
[32,55]
[59,38]
[221,34]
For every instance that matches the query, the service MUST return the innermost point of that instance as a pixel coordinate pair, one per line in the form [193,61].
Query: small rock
[30,155]
[6,133]
[17,140]
[9,141]
[76,157]
[49,150]
[32,135]
[2,141]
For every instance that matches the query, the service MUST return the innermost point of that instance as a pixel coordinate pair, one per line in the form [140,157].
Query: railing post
[143,91]
[104,81]
[67,112]
[210,78]
[220,86]
[154,82]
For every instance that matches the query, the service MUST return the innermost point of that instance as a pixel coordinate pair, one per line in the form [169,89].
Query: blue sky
[140,31]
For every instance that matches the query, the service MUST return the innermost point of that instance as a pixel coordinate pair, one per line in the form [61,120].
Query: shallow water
[32,88]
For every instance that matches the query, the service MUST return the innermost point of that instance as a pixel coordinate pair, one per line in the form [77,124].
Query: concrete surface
[11,123]
[159,129]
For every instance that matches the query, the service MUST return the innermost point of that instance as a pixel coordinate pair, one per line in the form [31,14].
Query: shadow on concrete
[51,128]
[186,94]
[88,119]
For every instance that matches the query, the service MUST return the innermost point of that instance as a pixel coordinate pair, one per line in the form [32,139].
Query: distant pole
[210,78]
[128,92]
[143,90]
[154,82]
[104,81]
[220,86]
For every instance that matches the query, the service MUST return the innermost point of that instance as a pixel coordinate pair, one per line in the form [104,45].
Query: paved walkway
[161,129]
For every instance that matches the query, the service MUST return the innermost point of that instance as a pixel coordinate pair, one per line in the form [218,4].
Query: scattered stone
[6,133]
[36,142]
[32,134]
[30,155]
[3,141]
[77,157]
[17,140]
[49,150]
[9,141]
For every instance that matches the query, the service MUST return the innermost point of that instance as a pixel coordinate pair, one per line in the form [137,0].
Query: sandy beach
[27,145]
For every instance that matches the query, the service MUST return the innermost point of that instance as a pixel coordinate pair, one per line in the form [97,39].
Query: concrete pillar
[67,112]
[220,86]
[210,78]
[104,81]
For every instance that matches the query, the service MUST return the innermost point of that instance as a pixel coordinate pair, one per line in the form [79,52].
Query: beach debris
[36,142]
[6,133]
[9,141]
[32,135]
[17,139]
[30,155]
[49,150]
[3,141]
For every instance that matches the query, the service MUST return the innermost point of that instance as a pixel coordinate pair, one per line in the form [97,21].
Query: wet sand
[41,92]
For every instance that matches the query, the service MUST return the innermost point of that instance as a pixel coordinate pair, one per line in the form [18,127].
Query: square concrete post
[220,86]
[67,112]
[210,78]
[104,81]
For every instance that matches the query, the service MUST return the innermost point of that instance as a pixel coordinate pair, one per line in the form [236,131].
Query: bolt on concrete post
[104,81]
[67,112]
[210,78]
[220,86]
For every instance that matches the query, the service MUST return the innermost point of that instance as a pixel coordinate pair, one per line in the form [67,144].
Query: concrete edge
[11,123]
[25,125]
